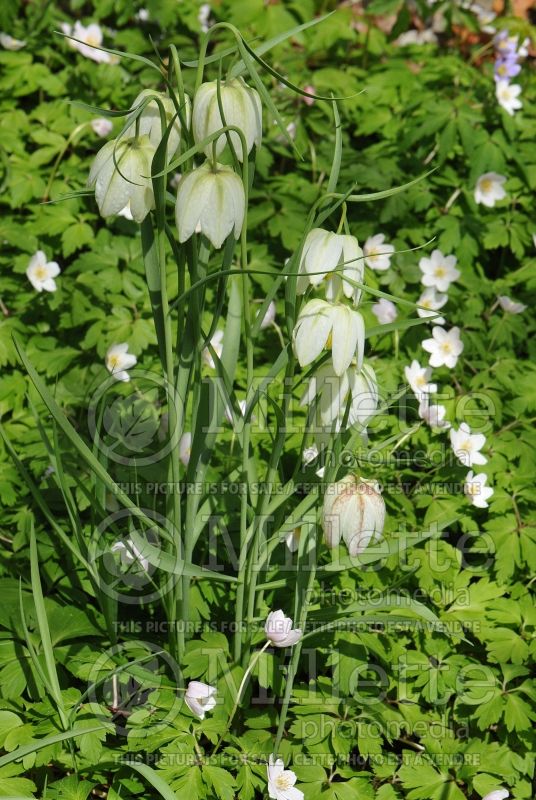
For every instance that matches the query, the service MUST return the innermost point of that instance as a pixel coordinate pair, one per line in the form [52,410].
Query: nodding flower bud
[322,325]
[121,175]
[241,107]
[149,122]
[354,510]
[210,200]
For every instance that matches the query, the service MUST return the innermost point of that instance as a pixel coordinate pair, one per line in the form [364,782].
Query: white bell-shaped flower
[353,511]
[323,325]
[241,107]
[334,391]
[149,121]
[333,257]
[210,200]
[125,178]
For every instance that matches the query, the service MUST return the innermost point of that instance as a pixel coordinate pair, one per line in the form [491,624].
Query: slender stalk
[243,682]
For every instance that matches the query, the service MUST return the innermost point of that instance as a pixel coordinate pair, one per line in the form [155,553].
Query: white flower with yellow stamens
[118,360]
[438,271]
[444,347]
[489,189]
[478,493]
[281,781]
[431,301]
[41,273]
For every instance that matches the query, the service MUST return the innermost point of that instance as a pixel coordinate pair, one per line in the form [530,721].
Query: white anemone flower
[10,43]
[438,271]
[431,301]
[210,200]
[149,122]
[467,445]
[129,554]
[102,126]
[279,631]
[444,347]
[378,253]
[511,306]
[90,39]
[323,325]
[216,343]
[508,96]
[118,360]
[334,390]
[478,493]
[334,257]
[121,175]
[41,273]
[200,698]
[281,781]
[242,108]
[433,414]
[489,189]
[419,380]
[384,311]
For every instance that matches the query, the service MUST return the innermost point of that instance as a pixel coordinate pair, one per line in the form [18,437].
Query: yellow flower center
[446,348]
[467,446]
[283,781]
[439,272]
[372,253]
[486,185]
[472,488]
[113,362]
[421,380]
[41,273]
[427,303]
[92,40]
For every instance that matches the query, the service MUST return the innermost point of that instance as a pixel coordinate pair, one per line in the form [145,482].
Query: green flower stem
[243,682]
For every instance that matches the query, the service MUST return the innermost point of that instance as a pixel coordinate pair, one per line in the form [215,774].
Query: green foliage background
[408,109]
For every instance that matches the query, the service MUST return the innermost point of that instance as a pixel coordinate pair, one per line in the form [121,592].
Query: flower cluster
[211,197]
[508,54]
[343,386]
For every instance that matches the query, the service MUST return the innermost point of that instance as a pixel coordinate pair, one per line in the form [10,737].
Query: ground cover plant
[267,400]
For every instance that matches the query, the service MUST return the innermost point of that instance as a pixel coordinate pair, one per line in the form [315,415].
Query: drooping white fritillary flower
[335,258]
[242,108]
[121,175]
[354,511]
[323,325]
[210,200]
